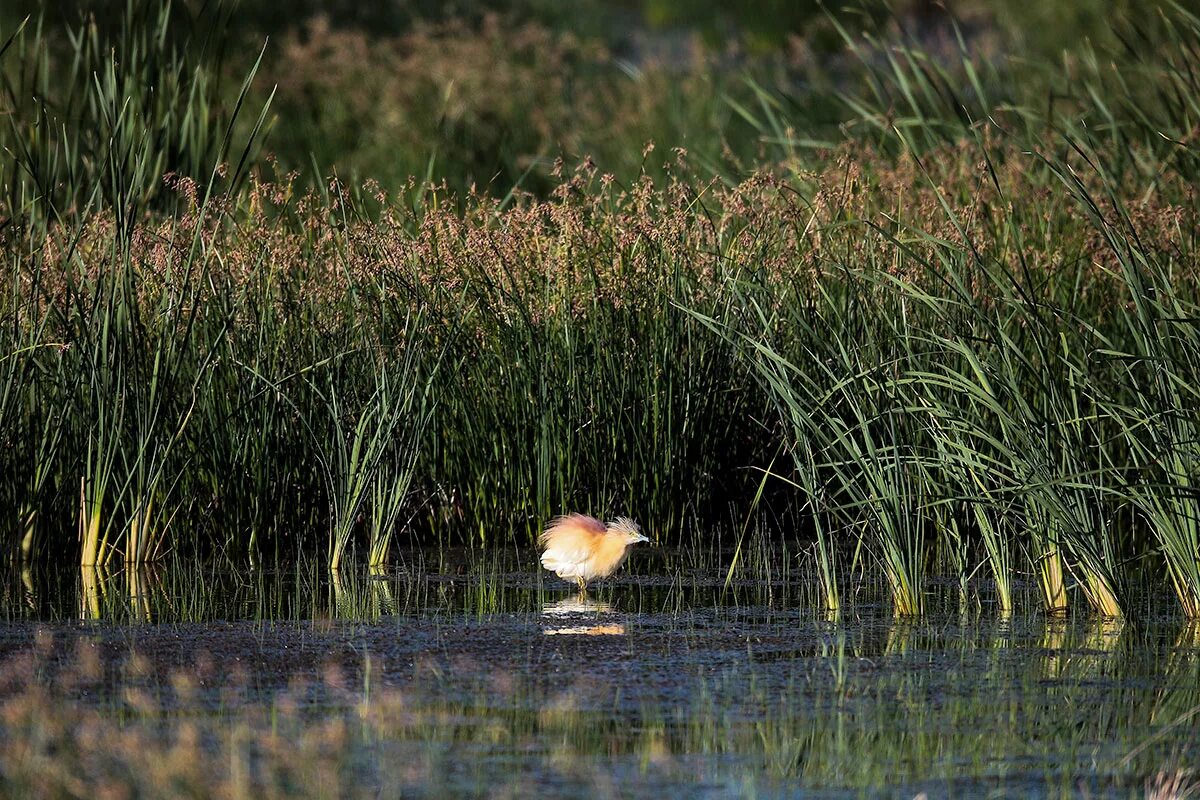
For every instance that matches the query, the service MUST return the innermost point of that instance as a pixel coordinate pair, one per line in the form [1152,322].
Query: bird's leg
[582,587]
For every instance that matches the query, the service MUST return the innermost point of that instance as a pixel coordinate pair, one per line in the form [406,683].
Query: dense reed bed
[961,328]
[999,348]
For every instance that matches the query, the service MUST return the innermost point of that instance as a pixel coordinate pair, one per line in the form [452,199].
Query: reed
[992,357]
[963,318]
[371,464]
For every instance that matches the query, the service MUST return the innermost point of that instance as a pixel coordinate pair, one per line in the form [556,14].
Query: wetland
[881,322]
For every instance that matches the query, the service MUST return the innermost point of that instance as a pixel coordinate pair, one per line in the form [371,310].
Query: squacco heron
[580,548]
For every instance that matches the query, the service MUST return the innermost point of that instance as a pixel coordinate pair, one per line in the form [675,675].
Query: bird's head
[627,528]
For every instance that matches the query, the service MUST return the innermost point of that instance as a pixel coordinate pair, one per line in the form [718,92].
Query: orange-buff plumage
[582,549]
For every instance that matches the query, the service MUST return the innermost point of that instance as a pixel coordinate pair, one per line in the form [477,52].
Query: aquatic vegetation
[943,360]
[955,330]
[894,353]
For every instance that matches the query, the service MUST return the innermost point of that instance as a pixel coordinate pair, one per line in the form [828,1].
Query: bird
[579,548]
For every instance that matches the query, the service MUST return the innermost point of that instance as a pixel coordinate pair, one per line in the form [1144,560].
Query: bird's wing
[570,540]
[571,526]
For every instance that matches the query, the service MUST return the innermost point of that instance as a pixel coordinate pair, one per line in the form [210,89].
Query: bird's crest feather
[624,525]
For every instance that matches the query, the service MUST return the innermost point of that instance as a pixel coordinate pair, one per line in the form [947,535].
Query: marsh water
[472,674]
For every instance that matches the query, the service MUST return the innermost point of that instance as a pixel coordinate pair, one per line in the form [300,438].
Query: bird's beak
[641,538]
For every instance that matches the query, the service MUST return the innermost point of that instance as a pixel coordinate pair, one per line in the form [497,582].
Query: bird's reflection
[580,616]
[577,604]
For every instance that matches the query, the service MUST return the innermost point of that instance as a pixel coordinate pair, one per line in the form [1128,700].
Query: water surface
[473,675]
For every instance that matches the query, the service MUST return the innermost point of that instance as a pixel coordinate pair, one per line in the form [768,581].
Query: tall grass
[1037,338]
[245,366]
[967,317]
[374,449]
